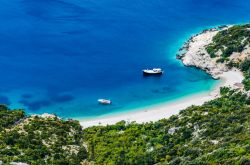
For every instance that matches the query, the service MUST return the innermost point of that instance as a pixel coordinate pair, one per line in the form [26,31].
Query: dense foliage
[216,133]
[233,39]
[245,68]
[37,140]
[8,118]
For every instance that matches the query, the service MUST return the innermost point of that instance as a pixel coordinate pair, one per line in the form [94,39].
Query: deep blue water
[60,56]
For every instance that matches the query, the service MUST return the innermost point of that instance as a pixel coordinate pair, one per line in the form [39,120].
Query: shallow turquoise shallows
[60,56]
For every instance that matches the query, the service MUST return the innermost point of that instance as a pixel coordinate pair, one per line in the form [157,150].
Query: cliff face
[194,53]
[217,49]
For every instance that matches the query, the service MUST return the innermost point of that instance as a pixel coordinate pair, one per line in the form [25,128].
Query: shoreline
[192,54]
[165,110]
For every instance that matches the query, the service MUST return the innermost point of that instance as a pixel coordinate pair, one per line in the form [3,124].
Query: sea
[60,56]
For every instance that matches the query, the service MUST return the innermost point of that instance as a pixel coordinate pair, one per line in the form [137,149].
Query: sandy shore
[194,55]
[166,110]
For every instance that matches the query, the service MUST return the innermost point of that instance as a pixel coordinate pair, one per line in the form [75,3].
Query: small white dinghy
[104,101]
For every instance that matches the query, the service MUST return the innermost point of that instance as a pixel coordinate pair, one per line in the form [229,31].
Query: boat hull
[152,74]
[104,102]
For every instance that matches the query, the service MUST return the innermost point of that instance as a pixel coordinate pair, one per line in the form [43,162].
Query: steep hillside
[216,133]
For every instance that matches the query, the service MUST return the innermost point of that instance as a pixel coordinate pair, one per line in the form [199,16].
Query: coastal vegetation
[245,68]
[232,39]
[214,133]
[39,140]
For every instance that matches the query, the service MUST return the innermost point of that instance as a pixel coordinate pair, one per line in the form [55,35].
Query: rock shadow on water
[4,100]
[62,98]
[35,105]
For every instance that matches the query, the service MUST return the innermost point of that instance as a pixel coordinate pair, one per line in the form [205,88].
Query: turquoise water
[60,56]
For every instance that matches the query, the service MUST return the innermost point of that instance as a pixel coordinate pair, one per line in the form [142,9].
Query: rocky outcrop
[194,53]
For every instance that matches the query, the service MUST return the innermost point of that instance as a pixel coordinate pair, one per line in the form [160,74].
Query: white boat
[154,71]
[104,101]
